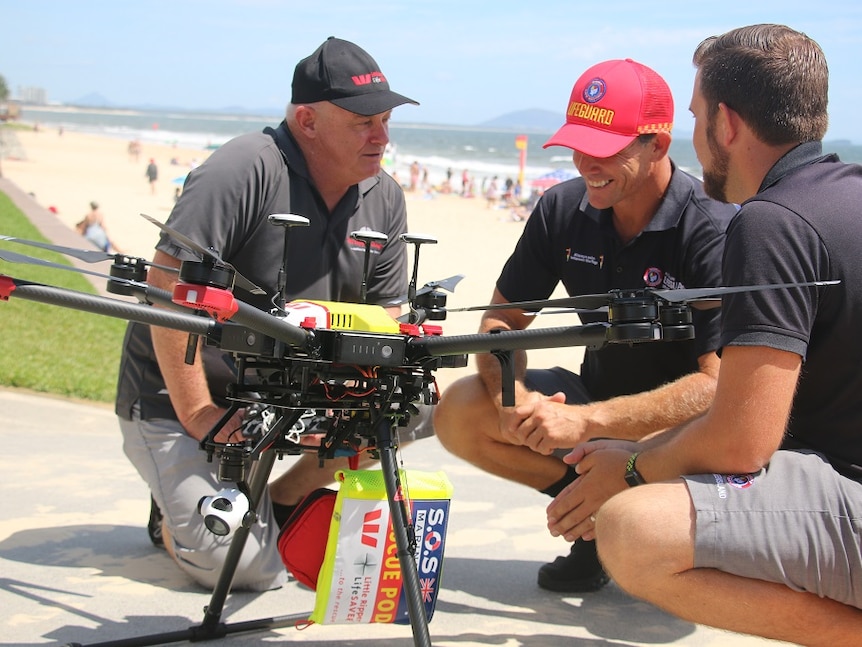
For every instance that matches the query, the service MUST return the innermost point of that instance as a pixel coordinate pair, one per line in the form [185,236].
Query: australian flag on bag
[361,580]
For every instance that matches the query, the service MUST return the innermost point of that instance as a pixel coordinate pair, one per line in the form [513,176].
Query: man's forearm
[186,384]
[632,417]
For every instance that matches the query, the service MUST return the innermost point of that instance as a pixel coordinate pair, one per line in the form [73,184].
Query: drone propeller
[583,302]
[86,255]
[447,284]
[700,298]
[565,311]
[210,253]
[14,257]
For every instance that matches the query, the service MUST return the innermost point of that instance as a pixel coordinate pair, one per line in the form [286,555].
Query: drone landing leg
[258,482]
[507,377]
[212,628]
[401,520]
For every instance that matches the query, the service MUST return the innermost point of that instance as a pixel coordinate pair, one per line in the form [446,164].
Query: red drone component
[409,329]
[219,302]
[7,286]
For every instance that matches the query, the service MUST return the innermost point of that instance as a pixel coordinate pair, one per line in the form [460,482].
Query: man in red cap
[632,220]
[321,162]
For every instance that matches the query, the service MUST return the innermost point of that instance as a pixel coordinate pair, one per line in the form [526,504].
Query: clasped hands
[545,423]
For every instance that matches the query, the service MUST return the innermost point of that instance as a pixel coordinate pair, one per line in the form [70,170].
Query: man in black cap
[321,162]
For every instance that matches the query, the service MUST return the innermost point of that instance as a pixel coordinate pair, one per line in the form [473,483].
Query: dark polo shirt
[805,225]
[225,204]
[567,240]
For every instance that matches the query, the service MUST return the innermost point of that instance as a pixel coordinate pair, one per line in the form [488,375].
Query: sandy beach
[66,171]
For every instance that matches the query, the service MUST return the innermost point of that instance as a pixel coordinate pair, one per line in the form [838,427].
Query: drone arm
[160,293]
[587,335]
[273,327]
[108,307]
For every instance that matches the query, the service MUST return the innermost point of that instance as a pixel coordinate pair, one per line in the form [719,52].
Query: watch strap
[632,476]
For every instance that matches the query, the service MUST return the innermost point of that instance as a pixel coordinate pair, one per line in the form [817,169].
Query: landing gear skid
[212,627]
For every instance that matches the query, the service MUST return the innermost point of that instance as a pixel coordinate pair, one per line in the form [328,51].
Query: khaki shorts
[796,522]
[177,472]
[179,476]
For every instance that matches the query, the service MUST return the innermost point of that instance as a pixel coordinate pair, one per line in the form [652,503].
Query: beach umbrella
[554,177]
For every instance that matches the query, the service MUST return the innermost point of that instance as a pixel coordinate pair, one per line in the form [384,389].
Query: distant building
[32,95]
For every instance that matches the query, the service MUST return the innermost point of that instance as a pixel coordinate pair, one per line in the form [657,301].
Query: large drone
[361,371]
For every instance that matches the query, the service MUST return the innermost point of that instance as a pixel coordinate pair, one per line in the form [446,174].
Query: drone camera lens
[222,504]
[216,526]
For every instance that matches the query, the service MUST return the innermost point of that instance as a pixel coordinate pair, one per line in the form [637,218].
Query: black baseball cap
[344,74]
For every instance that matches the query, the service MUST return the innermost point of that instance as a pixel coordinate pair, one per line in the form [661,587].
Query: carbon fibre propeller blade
[565,311]
[14,257]
[447,284]
[240,280]
[86,255]
[581,301]
[707,297]
[696,297]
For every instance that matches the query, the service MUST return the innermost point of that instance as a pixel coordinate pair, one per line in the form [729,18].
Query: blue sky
[465,61]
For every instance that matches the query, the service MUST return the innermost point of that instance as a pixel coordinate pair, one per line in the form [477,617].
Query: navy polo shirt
[567,240]
[805,225]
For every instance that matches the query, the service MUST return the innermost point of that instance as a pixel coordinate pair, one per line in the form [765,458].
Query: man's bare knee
[462,411]
[643,530]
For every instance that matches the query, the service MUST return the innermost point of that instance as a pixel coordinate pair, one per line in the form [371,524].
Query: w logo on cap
[368,79]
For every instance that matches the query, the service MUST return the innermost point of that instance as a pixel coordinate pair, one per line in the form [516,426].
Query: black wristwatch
[633,477]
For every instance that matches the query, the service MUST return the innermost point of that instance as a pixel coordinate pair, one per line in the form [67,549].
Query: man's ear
[727,125]
[661,144]
[306,119]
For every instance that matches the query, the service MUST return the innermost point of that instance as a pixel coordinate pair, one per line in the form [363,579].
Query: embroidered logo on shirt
[740,481]
[577,257]
[655,277]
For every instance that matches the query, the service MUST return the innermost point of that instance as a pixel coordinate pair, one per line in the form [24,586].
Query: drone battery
[368,348]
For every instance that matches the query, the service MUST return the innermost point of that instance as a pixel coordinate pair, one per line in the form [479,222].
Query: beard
[715,177]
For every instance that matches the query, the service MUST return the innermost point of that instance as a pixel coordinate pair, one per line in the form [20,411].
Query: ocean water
[484,153]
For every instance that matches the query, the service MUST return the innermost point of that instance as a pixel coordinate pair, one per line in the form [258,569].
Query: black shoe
[154,525]
[577,572]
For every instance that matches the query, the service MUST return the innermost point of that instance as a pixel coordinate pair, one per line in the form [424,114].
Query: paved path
[76,564]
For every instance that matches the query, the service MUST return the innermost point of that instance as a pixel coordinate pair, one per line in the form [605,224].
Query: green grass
[48,348]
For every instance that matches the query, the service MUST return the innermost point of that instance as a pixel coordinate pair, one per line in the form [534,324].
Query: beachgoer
[92,227]
[134,149]
[322,161]
[761,535]
[152,174]
[492,193]
[632,220]
[414,176]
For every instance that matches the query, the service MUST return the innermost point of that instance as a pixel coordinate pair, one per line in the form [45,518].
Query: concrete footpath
[76,565]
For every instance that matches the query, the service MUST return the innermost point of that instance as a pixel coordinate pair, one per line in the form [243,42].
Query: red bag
[302,539]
